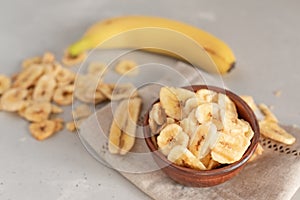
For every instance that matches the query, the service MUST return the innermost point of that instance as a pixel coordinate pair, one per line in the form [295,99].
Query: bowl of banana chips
[200,135]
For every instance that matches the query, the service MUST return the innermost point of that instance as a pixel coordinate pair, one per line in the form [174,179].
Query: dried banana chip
[70,61]
[123,128]
[65,77]
[171,136]
[52,68]
[44,88]
[190,105]
[81,111]
[97,68]
[207,111]
[13,99]
[203,140]
[42,130]
[272,130]
[190,124]
[48,57]
[38,111]
[64,95]
[127,67]
[31,61]
[173,100]
[269,116]
[206,95]
[5,83]
[119,91]
[59,124]
[157,117]
[28,76]
[227,104]
[181,156]
[71,126]
[230,148]
[56,109]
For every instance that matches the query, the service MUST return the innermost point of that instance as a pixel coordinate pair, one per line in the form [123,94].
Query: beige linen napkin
[274,175]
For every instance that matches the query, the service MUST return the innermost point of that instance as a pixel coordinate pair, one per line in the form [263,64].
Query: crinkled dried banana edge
[123,127]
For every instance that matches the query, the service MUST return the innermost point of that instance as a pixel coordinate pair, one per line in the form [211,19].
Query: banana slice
[5,83]
[56,109]
[172,135]
[181,156]
[127,67]
[28,76]
[269,116]
[251,103]
[97,69]
[173,100]
[44,88]
[64,95]
[48,57]
[38,111]
[157,117]
[13,99]
[190,105]
[64,77]
[31,61]
[272,130]
[226,103]
[229,148]
[119,91]
[190,124]
[206,95]
[81,111]
[123,128]
[52,68]
[207,111]
[203,140]
[42,130]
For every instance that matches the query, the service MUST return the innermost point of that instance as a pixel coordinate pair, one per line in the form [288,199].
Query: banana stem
[79,47]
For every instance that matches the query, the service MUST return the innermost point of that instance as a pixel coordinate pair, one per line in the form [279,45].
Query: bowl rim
[226,169]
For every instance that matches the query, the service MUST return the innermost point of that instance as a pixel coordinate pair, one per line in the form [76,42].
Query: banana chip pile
[199,130]
[38,92]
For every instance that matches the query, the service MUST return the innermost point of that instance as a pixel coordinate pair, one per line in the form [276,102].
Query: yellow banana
[159,35]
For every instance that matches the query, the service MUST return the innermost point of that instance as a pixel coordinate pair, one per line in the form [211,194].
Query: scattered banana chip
[44,88]
[38,111]
[59,124]
[122,130]
[97,68]
[42,130]
[119,91]
[64,95]
[269,116]
[5,83]
[71,126]
[56,109]
[28,76]
[64,77]
[31,61]
[13,99]
[127,67]
[81,111]
[70,61]
[272,130]
[48,57]
[173,100]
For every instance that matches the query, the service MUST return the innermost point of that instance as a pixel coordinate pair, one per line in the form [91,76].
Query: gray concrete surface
[264,36]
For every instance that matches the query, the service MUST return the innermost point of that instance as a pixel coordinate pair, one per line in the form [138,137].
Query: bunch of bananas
[159,35]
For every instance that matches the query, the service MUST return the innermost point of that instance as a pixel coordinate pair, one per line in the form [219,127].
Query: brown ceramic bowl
[197,178]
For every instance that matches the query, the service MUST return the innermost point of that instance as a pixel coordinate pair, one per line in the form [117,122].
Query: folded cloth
[273,175]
